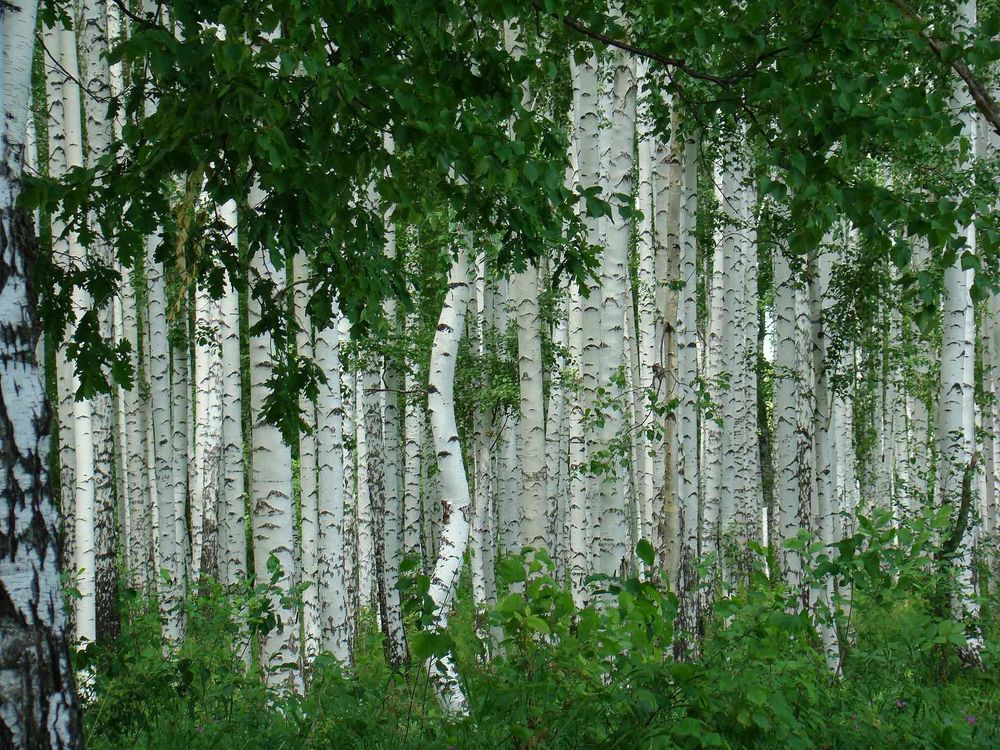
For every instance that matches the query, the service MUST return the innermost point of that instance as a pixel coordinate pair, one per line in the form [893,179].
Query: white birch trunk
[617,147]
[648,462]
[208,445]
[331,497]
[61,255]
[413,429]
[83,424]
[531,422]
[350,475]
[717,425]
[824,440]
[794,474]
[509,506]
[483,539]
[93,45]
[557,447]
[587,121]
[363,504]
[232,536]
[160,446]
[742,522]
[180,396]
[308,474]
[37,705]
[956,395]
[579,524]
[455,497]
[273,510]
[390,511]
[387,599]
[667,211]
[689,614]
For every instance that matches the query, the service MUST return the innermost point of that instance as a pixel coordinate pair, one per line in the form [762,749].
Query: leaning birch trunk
[454,485]
[38,707]
[273,510]
[689,609]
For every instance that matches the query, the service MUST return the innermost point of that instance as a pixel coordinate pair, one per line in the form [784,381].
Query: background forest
[509,373]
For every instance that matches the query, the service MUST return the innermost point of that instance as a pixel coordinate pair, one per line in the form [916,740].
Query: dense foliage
[601,677]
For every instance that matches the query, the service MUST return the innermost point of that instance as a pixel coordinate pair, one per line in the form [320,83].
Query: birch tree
[93,44]
[956,394]
[455,497]
[38,707]
[689,614]
[617,143]
[273,509]
[331,495]
[232,552]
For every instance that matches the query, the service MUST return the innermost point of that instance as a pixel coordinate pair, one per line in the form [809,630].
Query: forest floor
[600,677]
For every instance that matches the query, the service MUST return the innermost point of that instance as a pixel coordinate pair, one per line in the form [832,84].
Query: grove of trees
[438,320]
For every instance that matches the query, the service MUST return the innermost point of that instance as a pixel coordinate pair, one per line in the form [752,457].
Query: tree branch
[984,103]
[670,62]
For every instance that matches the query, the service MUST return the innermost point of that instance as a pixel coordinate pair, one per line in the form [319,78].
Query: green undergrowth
[601,676]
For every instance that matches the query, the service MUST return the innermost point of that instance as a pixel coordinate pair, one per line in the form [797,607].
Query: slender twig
[69,76]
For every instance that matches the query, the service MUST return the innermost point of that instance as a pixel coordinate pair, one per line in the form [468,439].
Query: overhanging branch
[671,62]
[984,103]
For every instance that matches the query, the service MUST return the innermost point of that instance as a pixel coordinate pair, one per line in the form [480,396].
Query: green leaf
[537,624]
[644,551]
[511,570]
